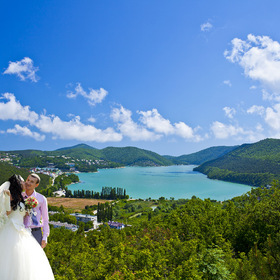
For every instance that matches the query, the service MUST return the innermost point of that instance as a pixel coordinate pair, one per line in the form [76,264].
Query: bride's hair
[16,190]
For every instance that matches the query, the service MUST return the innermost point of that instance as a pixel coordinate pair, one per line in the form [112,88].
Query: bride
[21,257]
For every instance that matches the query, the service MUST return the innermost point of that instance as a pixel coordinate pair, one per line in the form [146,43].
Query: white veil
[4,203]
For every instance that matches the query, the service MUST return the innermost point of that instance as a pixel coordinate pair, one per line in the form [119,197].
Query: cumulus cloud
[25,131]
[207,26]
[93,96]
[224,131]
[75,129]
[270,96]
[230,112]
[72,130]
[255,109]
[227,82]
[153,120]
[259,56]
[13,110]
[130,128]
[272,117]
[24,69]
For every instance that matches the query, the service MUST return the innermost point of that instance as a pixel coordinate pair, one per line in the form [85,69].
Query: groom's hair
[34,175]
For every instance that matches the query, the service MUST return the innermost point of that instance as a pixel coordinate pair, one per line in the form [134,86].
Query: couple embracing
[21,237]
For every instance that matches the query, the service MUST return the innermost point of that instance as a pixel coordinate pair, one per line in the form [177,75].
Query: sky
[173,77]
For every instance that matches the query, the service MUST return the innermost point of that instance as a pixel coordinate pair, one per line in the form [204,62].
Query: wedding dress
[21,257]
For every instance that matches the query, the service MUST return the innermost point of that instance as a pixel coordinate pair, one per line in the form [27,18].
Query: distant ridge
[256,164]
[203,155]
[123,156]
[79,146]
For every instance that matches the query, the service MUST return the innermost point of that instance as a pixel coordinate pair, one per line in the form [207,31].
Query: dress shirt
[42,214]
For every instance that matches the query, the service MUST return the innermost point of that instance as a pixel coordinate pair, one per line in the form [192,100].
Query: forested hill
[253,164]
[81,154]
[202,156]
[7,170]
[134,156]
[128,156]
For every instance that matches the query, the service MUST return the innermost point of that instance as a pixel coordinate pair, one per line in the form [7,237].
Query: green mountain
[134,156]
[252,164]
[81,151]
[202,156]
[87,159]
[125,156]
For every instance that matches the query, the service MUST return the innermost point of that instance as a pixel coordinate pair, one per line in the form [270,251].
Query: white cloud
[270,96]
[230,112]
[227,82]
[13,110]
[92,119]
[25,131]
[224,131]
[253,87]
[73,129]
[131,129]
[207,26]
[24,69]
[259,56]
[153,120]
[93,97]
[272,117]
[255,109]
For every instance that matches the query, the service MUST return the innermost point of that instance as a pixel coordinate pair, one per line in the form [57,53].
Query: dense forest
[252,164]
[81,154]
[202,156]
[200,239]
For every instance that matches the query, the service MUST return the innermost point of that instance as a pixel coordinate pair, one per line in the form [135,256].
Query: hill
[128,156]
[202,156]
[85,158]
[7,170]
[252,164]
[134,156]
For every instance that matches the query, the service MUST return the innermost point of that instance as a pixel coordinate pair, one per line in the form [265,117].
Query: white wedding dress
[21,257]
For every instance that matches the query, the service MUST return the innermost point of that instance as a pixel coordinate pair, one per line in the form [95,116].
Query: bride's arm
[8,201]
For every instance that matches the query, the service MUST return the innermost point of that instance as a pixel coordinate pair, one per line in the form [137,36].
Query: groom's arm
[45,222]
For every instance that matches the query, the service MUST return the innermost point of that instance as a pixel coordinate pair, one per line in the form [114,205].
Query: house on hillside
[115,225]
[86,218]
[66,225]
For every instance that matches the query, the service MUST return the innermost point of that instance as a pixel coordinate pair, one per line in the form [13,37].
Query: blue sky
[173,77]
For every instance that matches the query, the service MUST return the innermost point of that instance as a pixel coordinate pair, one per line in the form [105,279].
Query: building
[115,225]
[86,218]
[66,225]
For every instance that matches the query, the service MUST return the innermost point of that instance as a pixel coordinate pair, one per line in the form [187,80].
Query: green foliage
[186,239]
[131,156]
[255,164]
[202,156]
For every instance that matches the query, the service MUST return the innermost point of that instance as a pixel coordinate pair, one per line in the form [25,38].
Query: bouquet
[30,203]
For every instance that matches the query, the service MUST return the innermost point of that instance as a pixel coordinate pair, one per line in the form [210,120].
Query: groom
[40,222]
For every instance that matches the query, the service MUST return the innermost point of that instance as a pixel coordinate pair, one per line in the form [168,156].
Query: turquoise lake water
[167,181]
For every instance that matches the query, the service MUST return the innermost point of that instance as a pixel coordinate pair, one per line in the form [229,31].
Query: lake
[178,181]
